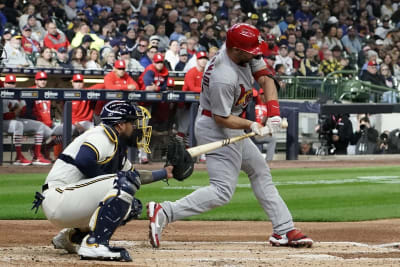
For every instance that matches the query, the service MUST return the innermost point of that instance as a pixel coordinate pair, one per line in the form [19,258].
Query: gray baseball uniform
[226,90]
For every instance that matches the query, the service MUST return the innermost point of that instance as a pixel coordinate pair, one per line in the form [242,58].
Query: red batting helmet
[245,37]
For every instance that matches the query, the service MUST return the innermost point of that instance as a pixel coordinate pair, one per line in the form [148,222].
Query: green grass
[349,194]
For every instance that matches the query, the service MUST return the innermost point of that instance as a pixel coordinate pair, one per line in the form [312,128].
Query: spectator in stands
[155,75]
[192,44]
[148,58]
[83,30]
[289,19]
[329,63]
[299,55]
[118,79]
[208,39]
[304,13]
[183,59]
[93,62]
[82,110]
[272,48]
[78,58]
[62,58]
[85,45]
[14,123]
[154,40]
[161,33]
[28,44]
[372,75]
[351,41]
[55,39]
[109,60]
[178,32]
[13,54]
[330,39]
[383,30]
[309,66]
[140,49]
[46,59]
[131,63]
[38,32]
[389,96]
[131,39]
[284,59]
[27,11]
[70,9]
[172,54]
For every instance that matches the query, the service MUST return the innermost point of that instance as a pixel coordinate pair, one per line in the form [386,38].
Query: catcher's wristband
[159,175]
[273,108]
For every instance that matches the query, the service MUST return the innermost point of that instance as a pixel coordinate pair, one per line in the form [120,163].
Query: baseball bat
[203,149]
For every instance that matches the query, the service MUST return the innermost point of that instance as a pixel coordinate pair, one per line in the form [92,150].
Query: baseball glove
[178,157]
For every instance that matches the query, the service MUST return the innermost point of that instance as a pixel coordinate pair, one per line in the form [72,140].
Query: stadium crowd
[305,38]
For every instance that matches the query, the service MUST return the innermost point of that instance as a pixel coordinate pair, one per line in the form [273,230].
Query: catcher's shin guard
[109,215]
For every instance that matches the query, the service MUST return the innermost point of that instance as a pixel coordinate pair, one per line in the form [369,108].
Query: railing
[341,85]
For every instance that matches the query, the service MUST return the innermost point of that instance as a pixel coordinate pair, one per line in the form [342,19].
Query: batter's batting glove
[258,129]
[274,123]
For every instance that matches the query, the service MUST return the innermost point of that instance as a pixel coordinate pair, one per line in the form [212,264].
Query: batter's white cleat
[93,251]
[63,240]
[293,238]
[158,220]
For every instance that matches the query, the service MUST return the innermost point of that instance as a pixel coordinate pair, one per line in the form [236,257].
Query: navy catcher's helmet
[117,111]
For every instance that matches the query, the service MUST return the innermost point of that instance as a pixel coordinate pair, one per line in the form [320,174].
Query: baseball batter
[226,91]
[90,189]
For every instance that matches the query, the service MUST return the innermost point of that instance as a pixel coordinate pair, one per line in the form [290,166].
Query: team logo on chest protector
[244,97]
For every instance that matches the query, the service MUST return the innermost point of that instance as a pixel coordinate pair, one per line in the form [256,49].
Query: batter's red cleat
[158,220]
[293,238]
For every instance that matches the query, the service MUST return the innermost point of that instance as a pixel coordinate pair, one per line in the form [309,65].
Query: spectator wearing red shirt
[28,44]
[155,75]
[82,110]
[192,83]
[55,39]
[272,48]
[118,79]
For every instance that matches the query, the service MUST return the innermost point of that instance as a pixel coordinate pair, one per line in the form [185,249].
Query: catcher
[90,190]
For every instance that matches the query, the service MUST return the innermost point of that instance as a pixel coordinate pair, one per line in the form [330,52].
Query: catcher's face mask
[143,132]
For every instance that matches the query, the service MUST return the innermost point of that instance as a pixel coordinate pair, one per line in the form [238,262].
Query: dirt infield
[223,243]
[194,243]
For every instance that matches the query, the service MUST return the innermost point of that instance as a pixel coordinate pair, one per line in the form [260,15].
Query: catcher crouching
[90,191]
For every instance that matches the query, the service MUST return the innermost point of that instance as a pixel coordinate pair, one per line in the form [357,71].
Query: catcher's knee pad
[128,182]
[109,215]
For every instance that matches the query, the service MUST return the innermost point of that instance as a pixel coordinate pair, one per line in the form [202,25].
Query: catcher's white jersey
[102,140]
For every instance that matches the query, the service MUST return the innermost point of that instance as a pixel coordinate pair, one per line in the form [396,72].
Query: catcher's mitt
[178,157]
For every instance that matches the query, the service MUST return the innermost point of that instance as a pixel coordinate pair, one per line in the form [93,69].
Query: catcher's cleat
[63,240]
[158,220]
[293,238]
[89,250]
